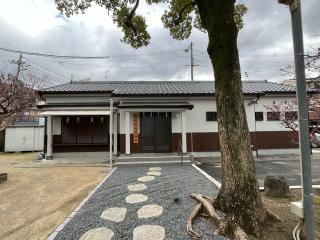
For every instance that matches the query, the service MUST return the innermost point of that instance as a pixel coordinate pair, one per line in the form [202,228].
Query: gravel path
[170,190]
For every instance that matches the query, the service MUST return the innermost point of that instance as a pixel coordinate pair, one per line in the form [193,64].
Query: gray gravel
[175,182]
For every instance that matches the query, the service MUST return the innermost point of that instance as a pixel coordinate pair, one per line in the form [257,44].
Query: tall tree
[239,195]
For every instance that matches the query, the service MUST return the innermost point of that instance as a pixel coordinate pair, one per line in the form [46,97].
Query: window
[291,115]
[211,116]
[259,116]
[273,116]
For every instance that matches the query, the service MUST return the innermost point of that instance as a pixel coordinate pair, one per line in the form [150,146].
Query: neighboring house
[314,98]
[155,116]
[311,82]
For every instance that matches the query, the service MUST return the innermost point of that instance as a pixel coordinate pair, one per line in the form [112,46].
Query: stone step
[152,159]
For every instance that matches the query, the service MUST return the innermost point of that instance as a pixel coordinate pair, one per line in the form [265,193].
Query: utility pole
[19,62]
[19,66]
[191,60]
[305,160]
[192,65]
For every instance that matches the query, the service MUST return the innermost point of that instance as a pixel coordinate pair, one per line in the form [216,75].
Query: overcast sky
[265,43]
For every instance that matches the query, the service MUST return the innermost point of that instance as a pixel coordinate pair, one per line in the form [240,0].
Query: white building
[154,117]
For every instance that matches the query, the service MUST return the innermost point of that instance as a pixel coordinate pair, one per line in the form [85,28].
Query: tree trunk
[239,195]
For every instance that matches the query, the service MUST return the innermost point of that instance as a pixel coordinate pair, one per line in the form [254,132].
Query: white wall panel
[24,138]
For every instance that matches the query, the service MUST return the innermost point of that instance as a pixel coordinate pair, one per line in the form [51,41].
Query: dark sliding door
[155,132]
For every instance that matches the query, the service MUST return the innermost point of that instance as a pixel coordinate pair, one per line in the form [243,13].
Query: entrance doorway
[155,132]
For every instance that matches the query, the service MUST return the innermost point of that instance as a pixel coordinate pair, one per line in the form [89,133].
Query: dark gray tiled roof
[197,88]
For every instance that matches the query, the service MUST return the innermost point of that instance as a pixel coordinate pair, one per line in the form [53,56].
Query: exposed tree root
[225,226]
[239,234]
[270,215]
[193,215]
[207,204]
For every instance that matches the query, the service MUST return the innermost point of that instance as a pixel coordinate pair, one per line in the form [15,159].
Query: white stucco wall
[196,118]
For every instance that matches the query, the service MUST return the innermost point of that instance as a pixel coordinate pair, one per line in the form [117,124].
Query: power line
[35,69]
[108,66]
[203,61]
[22,65]
[51,55]
[79,57]
[200,61]
[43,78]
[46,73]
[58,74]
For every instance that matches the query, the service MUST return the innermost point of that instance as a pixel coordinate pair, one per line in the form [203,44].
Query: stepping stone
[100,233]
[154,173]
[149,232]
[155,169]
[146,178]
[137,187]
[149,211]
[136,198]
[114,214]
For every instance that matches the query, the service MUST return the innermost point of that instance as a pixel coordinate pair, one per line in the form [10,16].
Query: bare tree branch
[15,97]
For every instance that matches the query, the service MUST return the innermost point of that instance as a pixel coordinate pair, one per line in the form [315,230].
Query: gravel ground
[175,182]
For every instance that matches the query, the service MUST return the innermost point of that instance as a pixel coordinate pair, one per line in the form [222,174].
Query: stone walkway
[142,203]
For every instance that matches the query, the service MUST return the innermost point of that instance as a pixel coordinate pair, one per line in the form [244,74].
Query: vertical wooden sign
[136,128]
